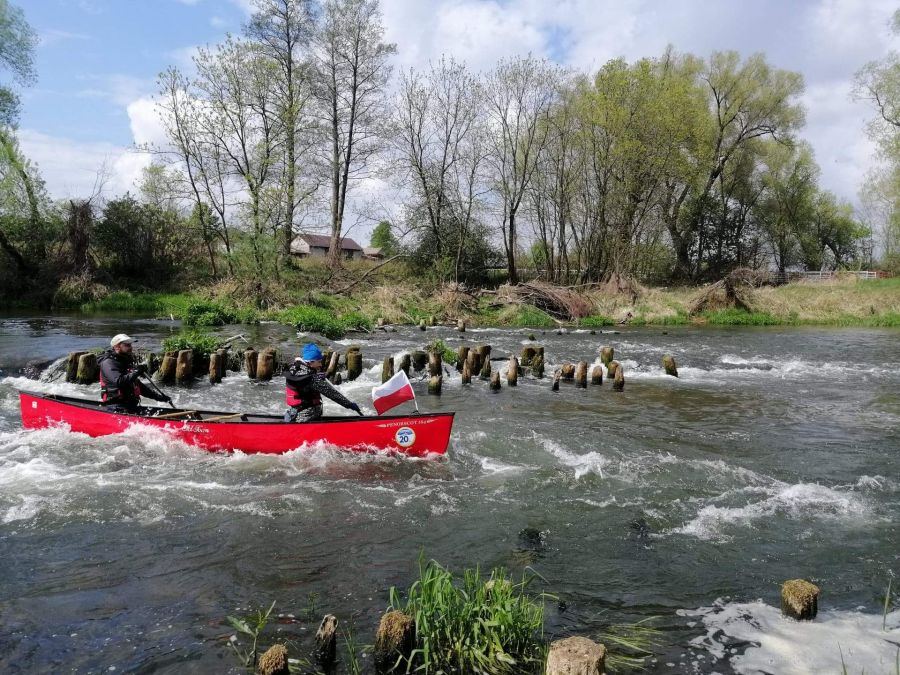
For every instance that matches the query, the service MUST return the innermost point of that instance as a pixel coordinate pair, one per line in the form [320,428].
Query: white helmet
[119,339]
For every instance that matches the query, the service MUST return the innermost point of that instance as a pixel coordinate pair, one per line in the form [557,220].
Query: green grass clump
[155,304]
[356,321]
[205,313]
[202,344]
[313,320]
[477,626]
[740,317]
[439,346]
[595,321]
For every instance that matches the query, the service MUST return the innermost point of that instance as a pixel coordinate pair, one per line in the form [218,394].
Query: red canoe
[415,435]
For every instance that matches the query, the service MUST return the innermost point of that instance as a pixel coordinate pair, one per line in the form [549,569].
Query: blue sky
[98,61]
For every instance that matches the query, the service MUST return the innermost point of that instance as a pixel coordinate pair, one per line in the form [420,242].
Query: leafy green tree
[383,238]
[17,43]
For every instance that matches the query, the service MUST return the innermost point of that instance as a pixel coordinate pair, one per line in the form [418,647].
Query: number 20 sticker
[405,437]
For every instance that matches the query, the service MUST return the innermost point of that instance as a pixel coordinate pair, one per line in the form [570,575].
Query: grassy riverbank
[845,302]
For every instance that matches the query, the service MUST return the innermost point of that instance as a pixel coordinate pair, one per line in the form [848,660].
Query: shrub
[205,313]
[439,346]
[313,320]
[202,344]
[478,626]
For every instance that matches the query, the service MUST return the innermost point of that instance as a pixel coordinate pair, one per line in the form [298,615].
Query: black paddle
[157,389]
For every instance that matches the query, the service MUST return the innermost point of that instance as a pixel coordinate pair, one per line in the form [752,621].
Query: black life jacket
[110,393]
[298,390]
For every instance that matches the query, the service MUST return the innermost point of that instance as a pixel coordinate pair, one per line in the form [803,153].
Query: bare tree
[351,78]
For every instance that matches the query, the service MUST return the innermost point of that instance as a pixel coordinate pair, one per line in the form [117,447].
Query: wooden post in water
[274,661]
[512,372]
[619,380]
[387,369]
[466,372]
[799,599]
[250,357]
[611,369]
[484,356]
[223,362]
[354,364]
[472,362]
[461,326]
[422,324]
[87,372]
[214,375]
[265,365]
[576,656]
[597,375]
[395,639]
[333,366]
[419,360]
[166,374]
[72,366]
[435,364]
[495,380]
[581,375]
[556,377]
[528,354]
[606,356]
[669,366]
[461,355]
[435,384]
[568,371]
[326,642]
[405,363]
[537,366]
[380,322]
[184,368]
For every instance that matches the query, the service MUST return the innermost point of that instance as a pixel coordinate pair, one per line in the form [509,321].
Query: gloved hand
[355,408]
[141,369]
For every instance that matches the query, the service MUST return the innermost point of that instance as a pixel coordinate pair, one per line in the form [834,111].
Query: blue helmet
[311,352]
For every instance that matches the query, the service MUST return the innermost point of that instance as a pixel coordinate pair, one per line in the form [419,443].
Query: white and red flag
[392,393]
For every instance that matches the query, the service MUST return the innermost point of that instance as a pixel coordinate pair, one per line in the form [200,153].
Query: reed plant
[490,626]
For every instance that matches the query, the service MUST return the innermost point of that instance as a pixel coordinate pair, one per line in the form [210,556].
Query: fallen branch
[363,277]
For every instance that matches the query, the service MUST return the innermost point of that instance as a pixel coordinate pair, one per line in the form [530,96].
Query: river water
[775,455]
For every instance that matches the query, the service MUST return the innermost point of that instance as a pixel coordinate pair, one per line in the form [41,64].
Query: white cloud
[53,36]
[218,22]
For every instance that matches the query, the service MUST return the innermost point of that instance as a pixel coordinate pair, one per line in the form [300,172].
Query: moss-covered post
[528,354]
[166,374]
[461,355]
[484,356]
[495,380]
[611,369]
[265,365]
[87,372]
[250,357]
[422,324]
[419,360]
[466,373]
[597,375]
[435,384]
[354,364]
[387,369]
[606,355]
[581,375]
[799,599]
[512,372]
[432,320]
[223,362]
[435,364]
[394,640]
[405,363]
[669,366]
[568,371]
[274,661]
[461,326]
[619,379]
[537,366]
[326,642]
[184,367]
[214,367]
[72,366]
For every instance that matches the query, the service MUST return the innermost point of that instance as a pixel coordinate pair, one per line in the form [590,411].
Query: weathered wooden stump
[432,320]
[597,375]
[461,355]
[556,378]
[619,379]
[528,354]
[265,365]
[466,373]
[380,322]
[512,372]
[338,379]
[611,369]
[422,324]
[419,360]
[606,355]
[184,368]
[669,366]
[166,373]
[387,369]
[394,640]
[332,369]
[354,364]
[435,364]
[581,375]
[87,372]
[223,362]
[435,384]
[799,599]
[537,366]
[326,641]
[72,365]
[472,362]
[214,375]
[495,380]
[484,356]
[576,656]
[152,363]
[568,371]
[405,363]
[326,358]
[250,357]
[274,661]
[461,326]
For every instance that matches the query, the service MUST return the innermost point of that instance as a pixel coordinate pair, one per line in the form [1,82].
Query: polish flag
[392,393]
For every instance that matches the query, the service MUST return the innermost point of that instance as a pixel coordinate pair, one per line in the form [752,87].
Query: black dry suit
[119,383]
[303,391]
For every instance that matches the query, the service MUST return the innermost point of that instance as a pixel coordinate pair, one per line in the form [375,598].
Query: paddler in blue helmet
[305,385]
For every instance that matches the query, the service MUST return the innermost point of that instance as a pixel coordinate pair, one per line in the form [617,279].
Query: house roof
[324,241]
[372,250]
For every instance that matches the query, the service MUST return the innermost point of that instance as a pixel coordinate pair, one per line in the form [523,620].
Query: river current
[774,455]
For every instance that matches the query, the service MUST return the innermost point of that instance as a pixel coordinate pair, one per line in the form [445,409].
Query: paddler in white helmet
[120,385]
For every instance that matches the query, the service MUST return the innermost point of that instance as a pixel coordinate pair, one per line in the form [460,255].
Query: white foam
[833,641]
[591,462]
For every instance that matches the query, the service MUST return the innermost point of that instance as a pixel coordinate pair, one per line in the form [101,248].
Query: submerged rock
[576,656]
